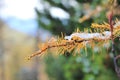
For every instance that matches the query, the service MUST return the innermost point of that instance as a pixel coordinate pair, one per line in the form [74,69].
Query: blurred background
[24,24]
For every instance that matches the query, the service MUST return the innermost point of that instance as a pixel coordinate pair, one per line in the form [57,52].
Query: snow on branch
[78,40]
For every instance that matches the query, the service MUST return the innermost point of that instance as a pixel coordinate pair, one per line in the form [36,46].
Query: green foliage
[80,67]
[54,67]
[101,17]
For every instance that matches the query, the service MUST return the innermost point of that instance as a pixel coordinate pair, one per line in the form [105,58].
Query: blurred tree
[2,64]
[56,24]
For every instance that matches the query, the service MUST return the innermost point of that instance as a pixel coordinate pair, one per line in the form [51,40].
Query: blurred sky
[20,14]
[22,9]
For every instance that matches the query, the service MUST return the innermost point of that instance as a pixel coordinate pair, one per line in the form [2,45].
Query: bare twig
[115,58]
